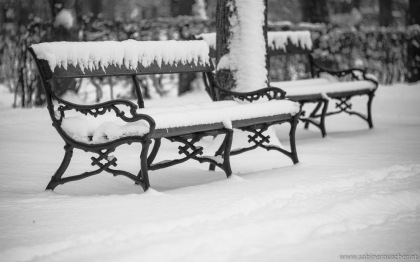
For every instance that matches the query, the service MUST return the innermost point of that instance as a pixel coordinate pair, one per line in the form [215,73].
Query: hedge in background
[392,54]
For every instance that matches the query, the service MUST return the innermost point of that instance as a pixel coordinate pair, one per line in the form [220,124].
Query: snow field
[356,191]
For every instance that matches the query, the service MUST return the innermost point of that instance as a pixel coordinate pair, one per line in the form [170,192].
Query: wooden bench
[101,128]
[324,85]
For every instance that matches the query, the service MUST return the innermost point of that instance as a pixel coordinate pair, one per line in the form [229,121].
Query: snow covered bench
[101,128]
[324,86]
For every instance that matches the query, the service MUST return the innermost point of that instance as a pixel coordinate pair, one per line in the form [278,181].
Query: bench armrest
[269,92]
[102,108]
[353,73]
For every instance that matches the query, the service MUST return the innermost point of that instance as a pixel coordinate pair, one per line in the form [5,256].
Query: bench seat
[323,86]
[203,117]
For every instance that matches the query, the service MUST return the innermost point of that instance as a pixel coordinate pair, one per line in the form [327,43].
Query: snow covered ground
[356,192]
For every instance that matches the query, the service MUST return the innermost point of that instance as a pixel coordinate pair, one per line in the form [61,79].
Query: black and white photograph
[209,130]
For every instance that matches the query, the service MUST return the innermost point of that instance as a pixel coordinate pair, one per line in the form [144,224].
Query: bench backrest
[279,43]
[289,42]
[58,60]
[61,60]
[111,58]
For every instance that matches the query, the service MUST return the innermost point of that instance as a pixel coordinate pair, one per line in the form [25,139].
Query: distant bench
[325,84]
[101,128]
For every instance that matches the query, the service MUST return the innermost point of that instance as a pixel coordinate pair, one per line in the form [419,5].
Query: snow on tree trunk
[199,9]
[241,42]
[241,47]
[65,29]
[224,77]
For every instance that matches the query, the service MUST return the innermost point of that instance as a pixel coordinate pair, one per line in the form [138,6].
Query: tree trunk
[182,7]
[224,77]
[109,9]
[356,4]
[96,7]
[315,11]
[385,12]
[413,49]
[64,32]
[413,12]
[265,30]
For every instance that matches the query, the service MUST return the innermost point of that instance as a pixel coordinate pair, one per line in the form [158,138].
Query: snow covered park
[354,194]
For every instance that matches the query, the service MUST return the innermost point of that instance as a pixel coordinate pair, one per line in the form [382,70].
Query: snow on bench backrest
[85,59]
[289,42]
[279,43]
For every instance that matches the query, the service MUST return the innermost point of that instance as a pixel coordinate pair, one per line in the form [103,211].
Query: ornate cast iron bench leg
[344,104]
[224,150]
[257,139]
[143,175]
[292,137]
[321,124]
[322,120]
[318,106]
[369,109]
[219,152]
[103,155]
[152,156]
[56,179]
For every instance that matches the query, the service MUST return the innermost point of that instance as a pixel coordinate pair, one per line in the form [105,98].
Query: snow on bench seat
[103,129]
[302,82]
[322,86]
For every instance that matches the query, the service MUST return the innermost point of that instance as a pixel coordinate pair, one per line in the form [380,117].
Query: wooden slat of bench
[306,98]
[179,131]
[335,94]
[339,94]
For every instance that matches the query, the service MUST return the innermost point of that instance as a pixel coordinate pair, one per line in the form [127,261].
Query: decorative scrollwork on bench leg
[104,162]
[191,151]
[258,139]
[344,105]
